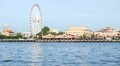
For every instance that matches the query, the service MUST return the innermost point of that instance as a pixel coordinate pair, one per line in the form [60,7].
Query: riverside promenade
[26,40]
[16,40]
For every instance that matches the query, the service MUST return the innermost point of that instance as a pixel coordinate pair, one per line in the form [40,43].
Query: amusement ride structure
[35,20]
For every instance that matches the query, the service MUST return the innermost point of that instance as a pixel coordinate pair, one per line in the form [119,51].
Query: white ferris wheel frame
[37,28]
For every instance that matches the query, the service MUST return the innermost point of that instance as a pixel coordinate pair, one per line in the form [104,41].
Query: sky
[62,14]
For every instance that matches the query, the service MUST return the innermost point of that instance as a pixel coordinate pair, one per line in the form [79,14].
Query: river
[59,54]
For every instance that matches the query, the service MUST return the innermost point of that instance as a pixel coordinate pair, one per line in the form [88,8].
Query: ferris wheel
[35,20]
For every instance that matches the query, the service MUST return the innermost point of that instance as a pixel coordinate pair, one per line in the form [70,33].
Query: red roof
[7,31]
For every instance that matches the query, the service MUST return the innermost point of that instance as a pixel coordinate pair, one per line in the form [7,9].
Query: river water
[59,54]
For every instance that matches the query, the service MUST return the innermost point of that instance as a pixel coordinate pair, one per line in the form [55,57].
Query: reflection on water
[59,54]
[35,54]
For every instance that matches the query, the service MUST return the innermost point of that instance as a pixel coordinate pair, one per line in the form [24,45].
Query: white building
[53,30]
[26,34]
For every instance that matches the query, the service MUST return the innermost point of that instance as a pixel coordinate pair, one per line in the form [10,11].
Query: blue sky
[62,14]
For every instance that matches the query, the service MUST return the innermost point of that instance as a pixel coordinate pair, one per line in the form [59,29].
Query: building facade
[7,31]
[107,33]
[64,36]
[26,34]
[79,31]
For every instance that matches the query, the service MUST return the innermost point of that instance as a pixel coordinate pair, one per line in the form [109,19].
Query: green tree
[84,36]
[93,36]
[19,35]
[53,33]
[2,37]
[60,33]
[45,30]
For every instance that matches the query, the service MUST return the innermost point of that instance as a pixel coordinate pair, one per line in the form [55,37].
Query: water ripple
[59,54]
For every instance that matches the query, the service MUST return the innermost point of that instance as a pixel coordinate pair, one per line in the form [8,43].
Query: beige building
[64,36]
[79,31]
[7,31]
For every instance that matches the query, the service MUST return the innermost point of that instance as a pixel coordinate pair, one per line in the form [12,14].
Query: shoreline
[17,40]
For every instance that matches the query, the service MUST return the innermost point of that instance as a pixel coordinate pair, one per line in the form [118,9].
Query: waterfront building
[7,31]
[107,33]
[64,36]
[48,36]
[79,32]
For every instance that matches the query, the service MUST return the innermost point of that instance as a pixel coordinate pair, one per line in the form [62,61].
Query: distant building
[107,33]
[6,28]
[26,34]
[7,31]
[79,31]
[64,36]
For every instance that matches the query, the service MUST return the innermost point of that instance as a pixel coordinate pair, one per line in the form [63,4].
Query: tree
[84,36]
[2,36]
[45,30]
[60,33]
[53,33]
[92,36]
[19,35]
